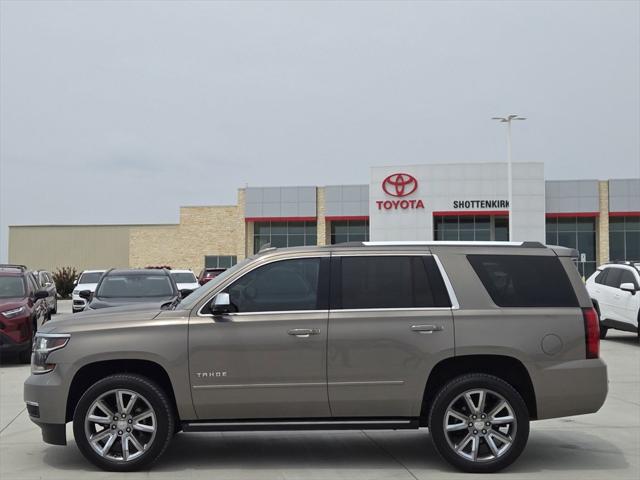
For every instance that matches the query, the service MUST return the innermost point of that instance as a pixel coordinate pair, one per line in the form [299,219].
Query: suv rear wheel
[479,423]
[123,422]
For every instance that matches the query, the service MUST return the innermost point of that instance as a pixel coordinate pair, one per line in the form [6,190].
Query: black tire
[449,393]
[156,397]
[603,331]
[25,355]
[55,307]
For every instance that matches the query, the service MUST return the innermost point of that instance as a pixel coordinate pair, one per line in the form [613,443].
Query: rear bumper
[571,388]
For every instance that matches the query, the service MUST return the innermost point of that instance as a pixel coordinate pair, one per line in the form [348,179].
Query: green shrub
[64,278]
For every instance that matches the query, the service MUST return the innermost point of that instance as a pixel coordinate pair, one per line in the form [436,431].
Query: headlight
[44,344]
[14,312]
[76,292]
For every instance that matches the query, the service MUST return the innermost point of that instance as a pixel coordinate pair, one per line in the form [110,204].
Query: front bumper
[48,392]
[9,345]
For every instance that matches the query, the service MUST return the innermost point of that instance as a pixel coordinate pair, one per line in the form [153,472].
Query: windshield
[11,287]
[201,292]
[184,277]
[90,277]
[132,286]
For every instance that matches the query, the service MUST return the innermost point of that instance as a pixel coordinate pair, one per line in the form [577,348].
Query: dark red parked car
[22,306]
[209,274]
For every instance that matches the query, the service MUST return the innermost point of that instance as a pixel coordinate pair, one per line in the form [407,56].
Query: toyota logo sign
[399,184]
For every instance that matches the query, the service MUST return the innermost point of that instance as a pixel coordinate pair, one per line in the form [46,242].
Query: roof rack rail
[13,265]
[455,243]
[266,248]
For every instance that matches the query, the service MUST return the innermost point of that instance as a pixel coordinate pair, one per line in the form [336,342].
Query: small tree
[64,278]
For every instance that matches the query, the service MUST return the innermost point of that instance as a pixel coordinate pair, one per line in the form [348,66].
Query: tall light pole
[508,120]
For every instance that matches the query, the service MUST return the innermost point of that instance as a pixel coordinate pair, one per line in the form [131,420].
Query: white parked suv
[87,280]
[615,291]
[185,279]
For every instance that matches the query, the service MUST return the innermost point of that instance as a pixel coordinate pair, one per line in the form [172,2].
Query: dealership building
[465,201]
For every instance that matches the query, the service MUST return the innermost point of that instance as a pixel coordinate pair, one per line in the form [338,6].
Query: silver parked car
[471,340]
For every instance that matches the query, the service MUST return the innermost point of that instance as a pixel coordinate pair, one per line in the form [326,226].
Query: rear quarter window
[524,280]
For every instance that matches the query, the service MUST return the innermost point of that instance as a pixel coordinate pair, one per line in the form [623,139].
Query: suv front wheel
[124,422]
[479,423]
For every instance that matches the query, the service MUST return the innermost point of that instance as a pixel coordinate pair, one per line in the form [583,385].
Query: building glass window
[471,227]
[284,234]
[624,238]
[349,231]
[578,233]
[220,261]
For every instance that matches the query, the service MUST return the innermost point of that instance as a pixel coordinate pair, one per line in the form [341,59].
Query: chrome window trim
[273,312]
[447,282]
[391,309]
[455,305]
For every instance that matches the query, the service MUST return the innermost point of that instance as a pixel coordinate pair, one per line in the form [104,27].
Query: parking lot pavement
[603,445]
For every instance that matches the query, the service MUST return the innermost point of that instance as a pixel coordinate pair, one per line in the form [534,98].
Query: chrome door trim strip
[365,383]
[300,384]
[261,385]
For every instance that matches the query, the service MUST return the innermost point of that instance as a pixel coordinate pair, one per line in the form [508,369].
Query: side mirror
[221,304]
[628,287]
[185,292]
[75,282]
[86,294]
[41,294]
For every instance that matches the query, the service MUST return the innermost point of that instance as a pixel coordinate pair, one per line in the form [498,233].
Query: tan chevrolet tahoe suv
[471,340]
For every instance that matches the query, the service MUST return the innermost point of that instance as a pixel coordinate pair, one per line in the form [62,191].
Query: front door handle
[426,328]
[303,332]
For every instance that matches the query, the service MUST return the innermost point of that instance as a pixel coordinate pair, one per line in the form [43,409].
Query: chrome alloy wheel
[120,425]
[480,425]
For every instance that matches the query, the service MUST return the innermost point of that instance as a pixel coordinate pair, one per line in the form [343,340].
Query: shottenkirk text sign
[474,204]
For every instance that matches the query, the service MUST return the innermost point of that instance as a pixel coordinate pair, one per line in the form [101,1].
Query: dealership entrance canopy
[450,202]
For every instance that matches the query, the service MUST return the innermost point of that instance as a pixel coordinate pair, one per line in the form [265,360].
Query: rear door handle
[426,328]
[303,332]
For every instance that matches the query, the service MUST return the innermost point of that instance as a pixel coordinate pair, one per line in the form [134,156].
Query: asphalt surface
[604,445]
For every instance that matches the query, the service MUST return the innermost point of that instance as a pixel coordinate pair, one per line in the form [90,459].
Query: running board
[300,424]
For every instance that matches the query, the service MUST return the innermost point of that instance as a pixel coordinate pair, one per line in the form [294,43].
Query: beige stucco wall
[206,230]
[49,247]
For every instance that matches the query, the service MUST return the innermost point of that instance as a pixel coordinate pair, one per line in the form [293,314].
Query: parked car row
[614,289]
[27,299]
[97,289]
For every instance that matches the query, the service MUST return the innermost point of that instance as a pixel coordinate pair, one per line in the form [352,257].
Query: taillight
[591,332]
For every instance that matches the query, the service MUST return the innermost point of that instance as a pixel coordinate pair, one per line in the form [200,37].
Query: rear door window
[601,277]
[524,280]
[613,278]
[370,282]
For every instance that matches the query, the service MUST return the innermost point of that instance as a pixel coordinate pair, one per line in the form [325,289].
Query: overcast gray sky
[120,112]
